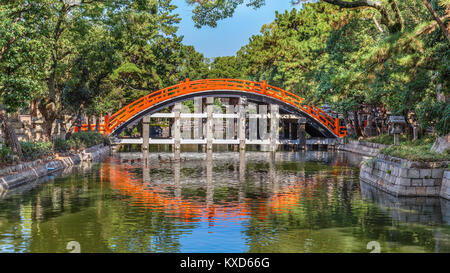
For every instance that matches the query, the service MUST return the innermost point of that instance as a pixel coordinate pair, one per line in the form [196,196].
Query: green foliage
[415,152]
[36,150]
[83,140]
[419,149]
[354,59]
[6,155]
[22,52]
[207,13]
[385,139]
[60,145]
[434,113]
[225,67]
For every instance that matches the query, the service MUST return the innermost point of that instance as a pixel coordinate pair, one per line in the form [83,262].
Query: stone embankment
[362,147]
[401,177]
[23,173]
[398,176]
[445,187]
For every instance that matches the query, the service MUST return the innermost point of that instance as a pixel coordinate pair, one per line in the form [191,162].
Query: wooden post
[230,122]
[302,133]
[198,122]
[274,127]
[252,122]
[263,134]
[209,123]
[242,104]
[177,127]
[145,133]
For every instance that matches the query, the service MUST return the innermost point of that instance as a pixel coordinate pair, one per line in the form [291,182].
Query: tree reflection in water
[219,202]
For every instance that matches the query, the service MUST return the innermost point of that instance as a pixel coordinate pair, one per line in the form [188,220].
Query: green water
[224,202]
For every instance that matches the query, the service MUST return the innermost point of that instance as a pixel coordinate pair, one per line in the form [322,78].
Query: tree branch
[438,20]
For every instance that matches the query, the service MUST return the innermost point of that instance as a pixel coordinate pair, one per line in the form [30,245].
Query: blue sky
[230,34]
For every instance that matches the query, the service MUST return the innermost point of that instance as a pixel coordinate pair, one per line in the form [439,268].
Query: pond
[299,202]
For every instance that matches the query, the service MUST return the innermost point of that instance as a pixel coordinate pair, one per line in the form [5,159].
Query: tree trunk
[438,19]
[10,135]
[356,124]
[97,124]
[49,112]
[89,123]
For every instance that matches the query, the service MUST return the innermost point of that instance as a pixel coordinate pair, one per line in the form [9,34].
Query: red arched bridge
[319,123]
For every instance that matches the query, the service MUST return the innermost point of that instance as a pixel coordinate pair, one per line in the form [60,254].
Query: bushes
[415,153]
[60,145]
[83,140]
[419,150]
[6,155]
[35,150]
[385,139]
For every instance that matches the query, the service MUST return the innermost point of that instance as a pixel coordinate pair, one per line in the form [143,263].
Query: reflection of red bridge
[321,123]
[189,210]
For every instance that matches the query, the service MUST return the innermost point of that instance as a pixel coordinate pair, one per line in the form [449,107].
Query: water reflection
[219,202]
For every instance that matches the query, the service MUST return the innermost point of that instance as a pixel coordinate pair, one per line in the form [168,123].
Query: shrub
[60,145]
[419,150]
[35,150]
[86,139]
[75,144]
[6,155]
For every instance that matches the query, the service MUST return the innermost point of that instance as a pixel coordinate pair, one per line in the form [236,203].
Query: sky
[230,34]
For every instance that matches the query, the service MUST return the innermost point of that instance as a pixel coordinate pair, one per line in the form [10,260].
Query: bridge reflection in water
[153,188]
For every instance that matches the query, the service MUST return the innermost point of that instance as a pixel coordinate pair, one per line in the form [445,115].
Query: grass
[386,139]
[419,150]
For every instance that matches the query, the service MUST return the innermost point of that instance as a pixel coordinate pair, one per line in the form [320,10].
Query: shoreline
[27,172]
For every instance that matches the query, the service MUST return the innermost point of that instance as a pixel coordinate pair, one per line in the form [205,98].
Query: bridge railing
[84,127]
[188,87]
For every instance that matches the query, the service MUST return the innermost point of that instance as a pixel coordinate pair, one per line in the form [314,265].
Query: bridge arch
[319,123]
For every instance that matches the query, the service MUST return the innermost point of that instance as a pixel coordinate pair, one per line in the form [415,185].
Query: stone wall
[362,147]
[23,173]
[403,178]
[445,187]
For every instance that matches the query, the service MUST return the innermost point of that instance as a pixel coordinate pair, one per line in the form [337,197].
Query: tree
[193,64]
[225,67]
[339,57]
[21,55]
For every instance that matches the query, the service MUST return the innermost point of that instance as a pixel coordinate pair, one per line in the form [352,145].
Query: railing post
[301,133]
[187,85]
[209,123]
[274,127]
[145,133]
[242,104]
[106,125]
[198,122]
[177,127]
[337,127]
[264,86]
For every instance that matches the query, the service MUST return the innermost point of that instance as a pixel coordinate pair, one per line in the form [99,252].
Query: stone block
[403,172]
[421,191]
[411,191]
[428,182]
[394,171]
[413,173]
[416,182]
[433,191]
[447,175]
[403,181]
[437,173]
[425,173]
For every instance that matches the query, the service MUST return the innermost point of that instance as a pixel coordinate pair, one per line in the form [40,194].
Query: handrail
[189,87]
